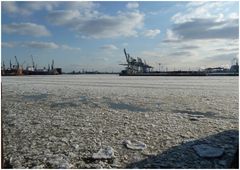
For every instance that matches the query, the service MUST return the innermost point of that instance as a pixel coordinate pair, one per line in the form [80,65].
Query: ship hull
[178,74]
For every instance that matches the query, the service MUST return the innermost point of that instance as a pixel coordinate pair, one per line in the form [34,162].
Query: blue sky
[92,35]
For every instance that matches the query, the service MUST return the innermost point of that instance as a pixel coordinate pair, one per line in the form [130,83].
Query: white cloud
[87,22]
[40,45]
[125,44]
[151,33]
[27,8]
[81,5]
[11,7]
[74,13]
[25,29]
[7,45]
[109,47]
[204,29]
[194,4]
[233,15]
[204,20]
[172,36]
[41,5]
[97,25]
[132,5]
[202,10]
[64,17]
[196,53]
[124,24]
[66,47]
[151,53]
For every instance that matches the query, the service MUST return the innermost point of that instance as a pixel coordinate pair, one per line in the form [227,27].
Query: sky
[88,35]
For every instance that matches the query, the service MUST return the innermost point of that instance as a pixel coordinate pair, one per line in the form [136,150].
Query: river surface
[209,93]
[67,118]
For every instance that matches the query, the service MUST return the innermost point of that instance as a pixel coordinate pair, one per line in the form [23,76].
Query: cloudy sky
[92,35]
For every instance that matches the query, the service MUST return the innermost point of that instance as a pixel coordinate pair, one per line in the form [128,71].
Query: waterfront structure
[17,69]
[135,67]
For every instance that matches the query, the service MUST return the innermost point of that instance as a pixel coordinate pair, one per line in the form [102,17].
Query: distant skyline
[92,35]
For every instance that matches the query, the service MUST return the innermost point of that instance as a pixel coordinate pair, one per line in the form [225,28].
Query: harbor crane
[52,64]
[10,64]
[159,66]
[33,65]
[135,65]
[3,65]
[234,61]
[18,69]
[17,62]
[23,63]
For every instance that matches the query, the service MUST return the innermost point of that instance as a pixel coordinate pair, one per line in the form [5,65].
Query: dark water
[63,104]
[35,97]
[203,114]
[196,113]
[124,106]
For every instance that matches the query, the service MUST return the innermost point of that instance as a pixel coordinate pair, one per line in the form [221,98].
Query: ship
[136,67]
[17,69]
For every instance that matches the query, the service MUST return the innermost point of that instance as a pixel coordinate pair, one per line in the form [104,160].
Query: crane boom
[126,54]
[17,62]
[52,64]
[3,65]
[33,62]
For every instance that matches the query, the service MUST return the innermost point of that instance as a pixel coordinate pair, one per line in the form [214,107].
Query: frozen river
[60,121]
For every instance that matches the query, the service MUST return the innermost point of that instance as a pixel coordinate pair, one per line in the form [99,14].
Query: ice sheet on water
[92,123]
